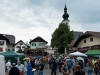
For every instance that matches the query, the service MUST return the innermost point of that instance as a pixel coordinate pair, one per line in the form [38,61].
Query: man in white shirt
[8,65]
[20,67]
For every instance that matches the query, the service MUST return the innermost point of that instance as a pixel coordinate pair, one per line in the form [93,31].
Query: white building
[20,45]
[6,42]
[88,40]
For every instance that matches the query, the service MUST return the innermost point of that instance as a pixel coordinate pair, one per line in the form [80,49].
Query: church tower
[65,16]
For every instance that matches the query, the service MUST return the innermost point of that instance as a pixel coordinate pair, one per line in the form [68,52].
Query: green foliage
[61,37]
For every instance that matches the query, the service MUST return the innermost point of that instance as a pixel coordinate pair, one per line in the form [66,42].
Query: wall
[72,48]
[10,46]
[96,41]
[37,45]
[50,51]
[16,49]
[4,47]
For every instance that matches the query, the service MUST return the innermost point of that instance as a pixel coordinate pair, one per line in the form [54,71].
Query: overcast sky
[27,19]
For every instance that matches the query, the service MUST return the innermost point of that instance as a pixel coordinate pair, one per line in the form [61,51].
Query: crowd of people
[59,64]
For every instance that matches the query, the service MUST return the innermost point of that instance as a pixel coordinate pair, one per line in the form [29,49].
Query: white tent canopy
[77,54]
[2,65]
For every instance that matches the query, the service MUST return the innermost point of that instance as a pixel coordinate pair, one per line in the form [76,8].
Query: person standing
[54,67]
[37,65]
[25,66]
[14,70]
[74,69]
[64,68]
[44,62]
[50,63]
[69,64]
[20,67]
[29,69]
[8,65]
[41,68]
[96,67]
[60,65]
[79,71]
[90,68]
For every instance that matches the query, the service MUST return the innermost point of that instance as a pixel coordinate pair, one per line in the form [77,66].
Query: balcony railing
[41,47]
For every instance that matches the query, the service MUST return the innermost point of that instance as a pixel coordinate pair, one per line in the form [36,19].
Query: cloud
[27,19]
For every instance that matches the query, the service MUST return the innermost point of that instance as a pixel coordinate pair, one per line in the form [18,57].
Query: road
[48,72]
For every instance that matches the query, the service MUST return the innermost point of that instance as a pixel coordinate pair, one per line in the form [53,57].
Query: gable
[20,42]
[38,39]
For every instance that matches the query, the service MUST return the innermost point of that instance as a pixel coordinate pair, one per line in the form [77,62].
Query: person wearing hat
[26,61]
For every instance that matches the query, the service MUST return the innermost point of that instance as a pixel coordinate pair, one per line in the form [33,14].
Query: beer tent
[93,52]
[13,56]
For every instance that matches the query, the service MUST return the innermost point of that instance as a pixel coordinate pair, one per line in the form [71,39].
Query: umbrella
[77,54]
[26,58]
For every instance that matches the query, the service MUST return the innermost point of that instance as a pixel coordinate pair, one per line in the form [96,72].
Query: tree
[61,37]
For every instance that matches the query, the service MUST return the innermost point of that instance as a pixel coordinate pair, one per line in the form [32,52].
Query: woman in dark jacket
[79,71]
[14,70]
[64,68]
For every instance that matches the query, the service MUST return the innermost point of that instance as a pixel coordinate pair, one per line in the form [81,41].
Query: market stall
[13,56]
[93,52]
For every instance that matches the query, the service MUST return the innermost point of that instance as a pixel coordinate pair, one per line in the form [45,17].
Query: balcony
[41,47]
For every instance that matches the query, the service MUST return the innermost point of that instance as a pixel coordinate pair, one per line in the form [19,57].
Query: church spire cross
[65,15]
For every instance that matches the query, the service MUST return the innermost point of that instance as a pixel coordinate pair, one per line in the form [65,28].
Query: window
[1,42]
[23,46]
[95,47]
[13,50]
[86,47]
[1,49]
[17,47]
[8,49]
[84,41]
[42,44]
[91,39]
[33,44]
